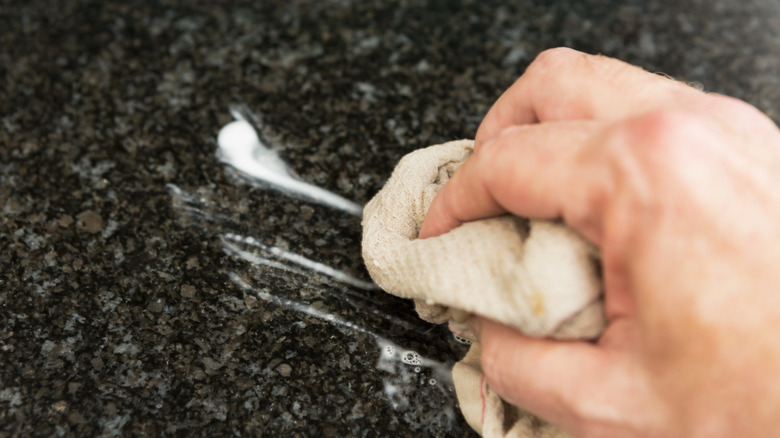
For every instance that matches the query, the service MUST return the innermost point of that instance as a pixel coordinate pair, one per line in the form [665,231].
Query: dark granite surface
[121,310]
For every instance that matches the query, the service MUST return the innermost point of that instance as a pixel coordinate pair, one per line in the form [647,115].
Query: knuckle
[649,157]
[720,102]
[508,139]
[665,133]
[570,60]
[739,112]
[652,158]
[498,157]
[551,59]
[504,141]
[491,154]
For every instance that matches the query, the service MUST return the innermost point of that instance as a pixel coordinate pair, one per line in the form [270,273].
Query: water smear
[407,372]
[409,378]
[295,259]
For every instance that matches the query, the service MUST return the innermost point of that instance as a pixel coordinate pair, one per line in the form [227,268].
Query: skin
[680,190]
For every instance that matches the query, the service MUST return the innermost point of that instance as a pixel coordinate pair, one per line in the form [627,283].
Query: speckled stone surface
[122,313]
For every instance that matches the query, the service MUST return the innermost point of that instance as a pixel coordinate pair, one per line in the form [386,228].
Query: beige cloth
[537,276]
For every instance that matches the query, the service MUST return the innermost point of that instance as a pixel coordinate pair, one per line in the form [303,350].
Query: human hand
[679,190]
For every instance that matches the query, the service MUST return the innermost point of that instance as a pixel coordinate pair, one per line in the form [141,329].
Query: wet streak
[295,259]
[404,372]
[404,368]
[281,263]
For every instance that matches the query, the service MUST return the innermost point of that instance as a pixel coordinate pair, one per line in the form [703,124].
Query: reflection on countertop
[140,291]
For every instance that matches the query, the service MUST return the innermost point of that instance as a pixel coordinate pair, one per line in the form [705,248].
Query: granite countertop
[147,288]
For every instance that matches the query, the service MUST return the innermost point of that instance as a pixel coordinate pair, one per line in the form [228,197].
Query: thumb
[562,382]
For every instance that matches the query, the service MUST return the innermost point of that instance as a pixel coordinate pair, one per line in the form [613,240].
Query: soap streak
[359,301]
[184,202]
[254,160]
[397,388]
[300,307]
[190,206]
[297,259]
[240,146]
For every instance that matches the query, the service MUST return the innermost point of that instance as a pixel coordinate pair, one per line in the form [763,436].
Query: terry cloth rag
[538,276]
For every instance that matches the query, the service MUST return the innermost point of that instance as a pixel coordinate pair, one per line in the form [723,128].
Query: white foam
[240,147]
[404,382]
[411,358]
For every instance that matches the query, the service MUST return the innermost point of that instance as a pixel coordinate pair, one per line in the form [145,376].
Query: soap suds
[241,148]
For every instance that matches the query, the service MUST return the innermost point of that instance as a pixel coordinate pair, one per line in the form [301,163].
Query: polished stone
[126,305]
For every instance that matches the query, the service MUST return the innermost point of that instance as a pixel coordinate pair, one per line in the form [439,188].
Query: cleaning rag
[538,276]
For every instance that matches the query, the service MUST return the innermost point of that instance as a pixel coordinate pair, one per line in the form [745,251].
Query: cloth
[538,276]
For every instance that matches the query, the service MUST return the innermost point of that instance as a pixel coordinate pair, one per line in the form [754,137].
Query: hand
[681,192]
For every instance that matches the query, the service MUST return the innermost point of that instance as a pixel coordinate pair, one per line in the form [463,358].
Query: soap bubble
[461,339]
[432,381]
[416,369]
[411,358]
[390,351]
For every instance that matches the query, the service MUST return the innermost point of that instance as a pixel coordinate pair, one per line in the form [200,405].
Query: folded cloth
[537,276]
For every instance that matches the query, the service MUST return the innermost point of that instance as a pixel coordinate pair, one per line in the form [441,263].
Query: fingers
[586,389]
[532,169]
[554,380]
[538,171]
[564,84]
